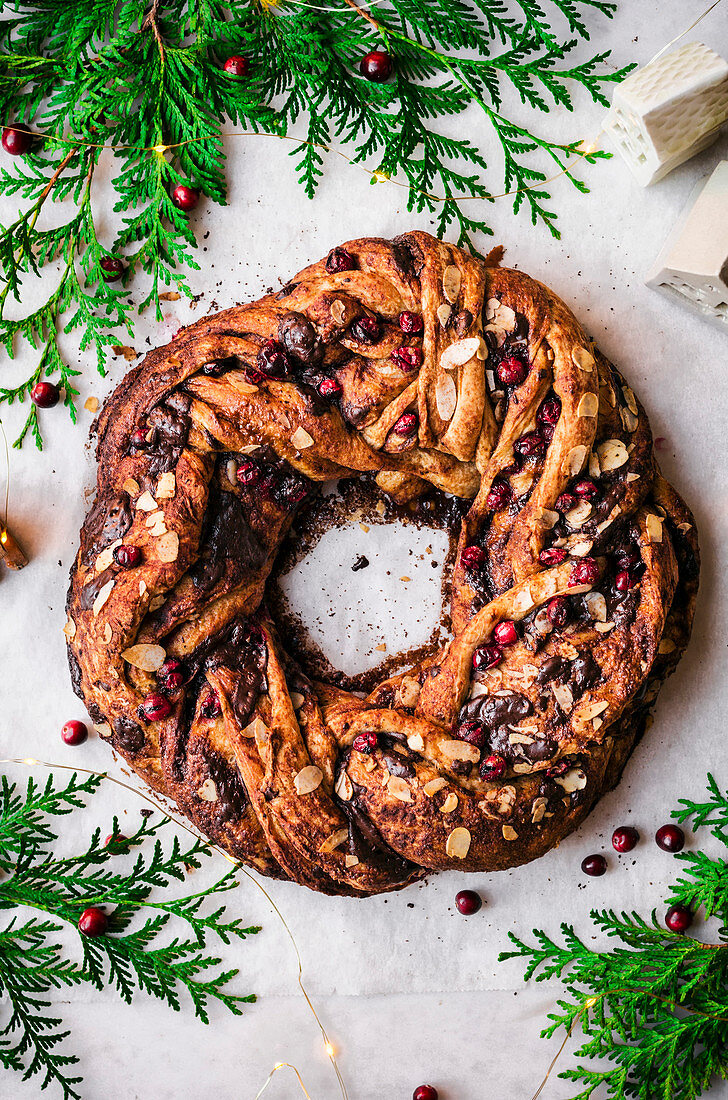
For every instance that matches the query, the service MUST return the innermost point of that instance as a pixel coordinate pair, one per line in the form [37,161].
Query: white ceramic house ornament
[669,111]
[693,266]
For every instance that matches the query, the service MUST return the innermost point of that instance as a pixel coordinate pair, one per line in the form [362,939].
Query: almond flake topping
[444,313]
[562,695]
[168,547]
[591,710]
[301,440]
[461,352]
[588,406]
[350,861]
[449,804]
[451,282]
[146,502]
[70,629]
[208,791]
[399,788]
[297,700]
[457,845]
[131,486]
[102,597]
[166,486]
[574,780]
[334,841]
[597,606]
[147,657]
[612,454]
[460,750]
[415,742]
[308,779]
[573,464]
[409,693]
[546,518]
[434,785]
[654,527]
[583,359]
[344,787]
[629,420]
[446,397]
[509,833]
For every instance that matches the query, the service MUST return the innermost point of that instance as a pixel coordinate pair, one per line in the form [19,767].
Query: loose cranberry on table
[411,323]
[112,267]
[115,838]
[425,1092]
[585,571]
[493,767]
[594,865]
[93,922]
[511,371]
[74,732]
[17,139]
[45,395]
[670,838]
[155,707]
[486,656]
[505,633]
[553,556]
[237,66]
[624,838]
[127,556]
[678,918]
[376,66]
[185,197]
[468,902]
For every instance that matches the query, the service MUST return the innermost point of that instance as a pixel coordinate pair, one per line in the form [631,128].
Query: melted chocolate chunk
[300,339]
[365,841]
[107,522]
[584,672]
[127,736]
[496,713]
[361,563]
[555,668]
[227,538]
[90,591]
[243,650]
[232,797]
[171,424]
[397,765]
[463,321]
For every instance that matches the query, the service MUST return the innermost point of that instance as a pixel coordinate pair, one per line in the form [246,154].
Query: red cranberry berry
[329,388]
[365,742]
[505,633]
[678,918]
[500,494]
[74,732]
[339,259]
[425,1092]
[585,571]
[549,411]
[17,139]
[557,611]
[473,558]
[93,922]
[376,66]
[210,705]
[112,267]
[248,472]
[625,838]
[410,323]
[473,732]
[155,707]
[553,556]
[530,445]
[237,66]
[272,360]
[670,838]
[185,197]
[493,767]
[127,556]
[138,439]
[623,581]
[585,489]
[511,371]
[565,502]
[406,425]
[171,674]
[366,329]
[115,838]
[468,902]
[407,358]
[486,656]
[594,866]
[253,375]
[45,395]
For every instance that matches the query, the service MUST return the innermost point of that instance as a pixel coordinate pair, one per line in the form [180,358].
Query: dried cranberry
[585,489]
[473,558]
[530,445]
[338,260]
[410,323]
[45,395]
[493,767]
[365,742]
[670,838]
[237,66]
[366,329]
[74,732]
[624,838]
[468,902]
[138,439]
[565,502]
[473,732]
[329,387]
[376,66]
[406,425]
[623,581]
[585,571]
[155,707]
[248,473]
[628,558]
[112,267]
[549,411]
[678,918]
[407,358]
[17,139]
[185,197]
[486,656]
[557,611]
[171,674]
[561,768]
[594,865]
[511,371]
[500,494]
[553,556]
[93,922]
[273,360]
[252,374]
[127,556]
[210,705]
[505,633]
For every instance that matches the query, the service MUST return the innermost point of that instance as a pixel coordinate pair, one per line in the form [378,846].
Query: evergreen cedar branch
[120,74]
[32,960]
[655,1009]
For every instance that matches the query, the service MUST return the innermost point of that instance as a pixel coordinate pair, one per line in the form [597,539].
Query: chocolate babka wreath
[572,594]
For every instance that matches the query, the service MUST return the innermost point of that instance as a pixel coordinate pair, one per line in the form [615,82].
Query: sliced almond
[106,557]
[297,700]
[461,352]
[208,791]
[460,750]
[631,476]
[131,486]
[578,515]
[630,398]
[446,396]
[546,518]
[597,606]
[166,486]
[629,420]
[490,308]
[102,597]
[301,440]
[654,527]
[434,785]
[573,464]
[451,282]
[562,695]
[70,629]
[591,710]
[91,404]
[308,779]
[334,841]
[583,359]
[257,729]
[145,656]
[595,468]
[409,693]
[588,406]
[444,312]
[538,809]
[108,633]
[337,311]
[509,833]
[154,518]
[612,454]
[168,547]
[350,860]
[415,742]
[146,502]
[666,646]
[573,780]
[604,628]
[457,844]
[103,729]
[344,787]
[450,804]
[399,788]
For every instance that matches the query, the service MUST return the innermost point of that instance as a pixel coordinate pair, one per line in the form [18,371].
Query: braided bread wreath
[572,594]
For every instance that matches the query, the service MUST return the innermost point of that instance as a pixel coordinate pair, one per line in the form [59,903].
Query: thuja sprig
[654,1008]
[149,80]
[131,955]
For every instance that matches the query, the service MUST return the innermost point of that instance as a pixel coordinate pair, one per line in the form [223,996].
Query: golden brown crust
[572,597]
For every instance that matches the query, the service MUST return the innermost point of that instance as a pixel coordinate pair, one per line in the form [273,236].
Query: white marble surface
[409,990]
